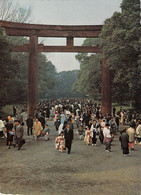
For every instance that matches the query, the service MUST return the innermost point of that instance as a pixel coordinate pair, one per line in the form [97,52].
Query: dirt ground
[38,168]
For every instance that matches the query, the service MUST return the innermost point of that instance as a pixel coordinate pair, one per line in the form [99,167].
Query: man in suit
[68,134]
[19,134]
[29,123]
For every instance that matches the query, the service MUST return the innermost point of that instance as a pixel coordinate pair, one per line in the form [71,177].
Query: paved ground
[38,168]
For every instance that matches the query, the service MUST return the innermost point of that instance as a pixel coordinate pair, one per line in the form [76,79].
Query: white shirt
[1,125]
[106,132]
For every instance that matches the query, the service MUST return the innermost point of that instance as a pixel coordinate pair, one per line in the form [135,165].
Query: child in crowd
[47,132]
[60,142]
[80,132]
[87,138]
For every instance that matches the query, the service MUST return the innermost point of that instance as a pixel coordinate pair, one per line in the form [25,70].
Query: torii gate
[69,32]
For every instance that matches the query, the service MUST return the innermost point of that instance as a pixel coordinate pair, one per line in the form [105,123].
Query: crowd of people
[80,117]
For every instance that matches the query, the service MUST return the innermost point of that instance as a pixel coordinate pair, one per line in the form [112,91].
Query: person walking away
[131,133]
[124,139]
[107,138]
[29,123]
[1,128]
[68,135]
[19,134]
[37,129]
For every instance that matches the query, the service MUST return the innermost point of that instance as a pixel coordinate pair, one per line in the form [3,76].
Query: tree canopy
[120,40]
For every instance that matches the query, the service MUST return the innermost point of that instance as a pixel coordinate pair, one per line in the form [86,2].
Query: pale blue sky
[69,12]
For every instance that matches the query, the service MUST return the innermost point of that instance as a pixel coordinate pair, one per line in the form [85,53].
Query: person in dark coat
[42,120]
[29,123]
[57,123]
[19,134]
[68,134]
[14,111]
[8,127]
[124,139]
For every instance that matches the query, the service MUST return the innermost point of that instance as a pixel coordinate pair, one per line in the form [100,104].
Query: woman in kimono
[87,136]
[60,142]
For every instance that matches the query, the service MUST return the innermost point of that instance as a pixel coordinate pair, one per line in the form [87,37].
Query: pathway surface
[38,168]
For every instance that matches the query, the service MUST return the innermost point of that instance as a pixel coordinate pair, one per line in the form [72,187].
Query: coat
[68,134]
[131,133]
[124,139]
[19,131]
[29,122]
[37,128]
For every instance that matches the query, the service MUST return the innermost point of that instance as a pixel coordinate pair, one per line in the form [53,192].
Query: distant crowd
[82,118]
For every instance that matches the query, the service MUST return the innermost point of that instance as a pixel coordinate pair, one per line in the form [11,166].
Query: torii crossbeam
[69,32]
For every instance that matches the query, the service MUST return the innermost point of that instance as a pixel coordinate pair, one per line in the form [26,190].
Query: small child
[47,131]
[81,132]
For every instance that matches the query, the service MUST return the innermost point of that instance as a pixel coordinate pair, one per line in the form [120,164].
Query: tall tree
[89,77]
[120,40]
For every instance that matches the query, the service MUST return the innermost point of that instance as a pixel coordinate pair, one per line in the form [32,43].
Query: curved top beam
[40,30]
[49,27]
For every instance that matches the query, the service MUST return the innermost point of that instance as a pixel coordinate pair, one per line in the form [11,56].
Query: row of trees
[120,40]
[14,66]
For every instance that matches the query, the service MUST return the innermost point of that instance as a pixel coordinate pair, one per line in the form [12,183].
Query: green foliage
[120,39]
[63,85]
[14,72]
[89,77]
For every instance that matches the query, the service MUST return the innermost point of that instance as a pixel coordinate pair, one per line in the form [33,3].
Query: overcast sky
[69,12]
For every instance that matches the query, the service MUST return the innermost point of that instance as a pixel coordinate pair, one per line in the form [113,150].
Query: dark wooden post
[69,41]
[32,75]
[106,89]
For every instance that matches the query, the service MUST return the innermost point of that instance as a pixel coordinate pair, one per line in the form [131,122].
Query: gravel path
[38,168]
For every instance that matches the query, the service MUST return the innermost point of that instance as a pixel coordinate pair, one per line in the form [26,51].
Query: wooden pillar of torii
[69,32]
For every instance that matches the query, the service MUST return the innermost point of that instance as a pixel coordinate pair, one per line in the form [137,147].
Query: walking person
[19,134]
[107,138]
[37,129]
[20,117]
[93,133]
[68,135]
[29,123]
[8,129]
[131,133]
[42,120]
[124,139]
